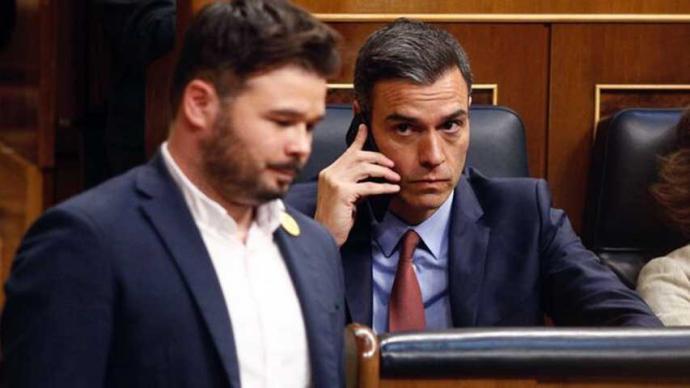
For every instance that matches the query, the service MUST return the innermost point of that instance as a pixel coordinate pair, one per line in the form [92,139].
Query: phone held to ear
[377,204]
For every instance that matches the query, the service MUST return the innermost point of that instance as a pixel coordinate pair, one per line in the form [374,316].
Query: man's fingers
[377,171]
[366,189]
[357,150]
[362,133]
[375,158]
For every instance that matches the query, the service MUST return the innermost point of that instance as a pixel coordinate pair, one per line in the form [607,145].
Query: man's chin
[266,194]
[426,198]
[426,201]
[256,196]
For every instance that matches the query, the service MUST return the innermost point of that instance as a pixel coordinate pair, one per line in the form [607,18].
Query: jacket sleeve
[56,325]
[579,289]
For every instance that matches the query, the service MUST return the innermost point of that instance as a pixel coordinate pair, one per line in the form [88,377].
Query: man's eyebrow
[401,117]
[294,114]
[285,112]
[457,114]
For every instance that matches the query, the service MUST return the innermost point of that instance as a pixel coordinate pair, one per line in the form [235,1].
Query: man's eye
[403,128]
[451,125]
[282,123]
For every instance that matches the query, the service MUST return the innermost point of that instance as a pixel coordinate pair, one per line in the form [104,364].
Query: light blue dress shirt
[430,263]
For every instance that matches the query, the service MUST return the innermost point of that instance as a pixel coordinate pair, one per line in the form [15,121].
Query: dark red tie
[405,307]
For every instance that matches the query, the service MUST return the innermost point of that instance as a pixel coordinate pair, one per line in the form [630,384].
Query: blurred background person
[137,32]
[664,282]
[8,10]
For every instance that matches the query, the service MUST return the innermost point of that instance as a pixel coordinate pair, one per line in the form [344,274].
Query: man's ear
[200,104]
[469,102]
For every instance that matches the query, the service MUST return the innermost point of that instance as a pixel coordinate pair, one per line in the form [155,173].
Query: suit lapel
[165,208]
[469,240]
[356,254]
[318,324]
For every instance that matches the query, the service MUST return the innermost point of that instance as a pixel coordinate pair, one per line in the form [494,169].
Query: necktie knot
[410,240]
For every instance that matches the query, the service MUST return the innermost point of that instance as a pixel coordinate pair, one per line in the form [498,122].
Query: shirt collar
[433,231]
[209,213]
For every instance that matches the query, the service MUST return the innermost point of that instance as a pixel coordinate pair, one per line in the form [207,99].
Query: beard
[233,170]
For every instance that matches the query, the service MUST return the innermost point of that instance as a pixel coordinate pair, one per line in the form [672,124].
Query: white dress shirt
[267,322]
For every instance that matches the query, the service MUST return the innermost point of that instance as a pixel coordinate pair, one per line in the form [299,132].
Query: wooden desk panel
[522,383]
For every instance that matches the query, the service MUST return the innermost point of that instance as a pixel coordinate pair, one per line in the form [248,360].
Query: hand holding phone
[358,174]
[377,204]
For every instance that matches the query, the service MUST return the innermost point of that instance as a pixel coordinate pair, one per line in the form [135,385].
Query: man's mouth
[432,184]
[288,170]
[429,180]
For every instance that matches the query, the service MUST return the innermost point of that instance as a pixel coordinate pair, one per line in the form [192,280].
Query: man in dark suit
[189,271]
[450,249]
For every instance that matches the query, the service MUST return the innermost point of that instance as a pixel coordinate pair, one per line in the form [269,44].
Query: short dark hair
[409,50]
[672,191]
[230,40]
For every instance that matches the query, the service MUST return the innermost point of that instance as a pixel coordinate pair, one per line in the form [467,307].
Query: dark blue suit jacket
[115,288]
[513,259]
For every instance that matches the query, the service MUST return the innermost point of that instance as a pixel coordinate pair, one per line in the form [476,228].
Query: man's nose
[299,142]
[430,150]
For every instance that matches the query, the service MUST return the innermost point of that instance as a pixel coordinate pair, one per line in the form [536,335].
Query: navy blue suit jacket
[115,288]
[513,259]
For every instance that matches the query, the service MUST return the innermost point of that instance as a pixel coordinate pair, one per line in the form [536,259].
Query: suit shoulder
[512,190]
[517,201]
[104,203]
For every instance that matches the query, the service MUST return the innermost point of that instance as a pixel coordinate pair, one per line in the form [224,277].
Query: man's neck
[243,214]
[410,216]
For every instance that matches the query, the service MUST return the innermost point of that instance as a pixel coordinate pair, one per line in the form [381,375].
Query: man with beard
[189,271]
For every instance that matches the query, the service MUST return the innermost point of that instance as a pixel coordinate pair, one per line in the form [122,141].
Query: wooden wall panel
[505,6]
[585,55]
[480,6]
[19,83]
[42,89]
[21,201]
[609,99]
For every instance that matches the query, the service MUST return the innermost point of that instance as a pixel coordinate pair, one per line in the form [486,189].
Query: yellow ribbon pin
[289,224]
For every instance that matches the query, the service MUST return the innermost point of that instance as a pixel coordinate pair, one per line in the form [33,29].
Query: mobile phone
[377,204]
[369,143]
